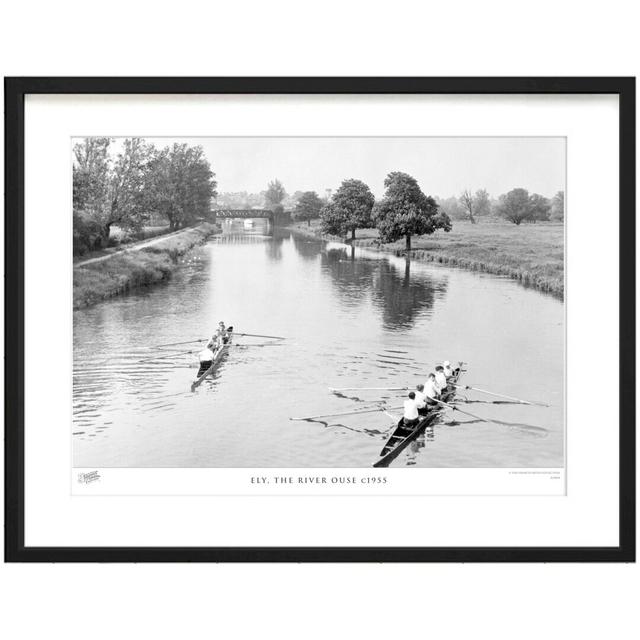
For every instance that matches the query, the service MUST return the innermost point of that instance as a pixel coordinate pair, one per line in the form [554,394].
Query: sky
[442,166]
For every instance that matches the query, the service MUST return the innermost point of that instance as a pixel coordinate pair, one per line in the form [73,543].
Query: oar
[182,353]
[251,335]
[344,413]
[473,415]
[175,344]
[260,344]
[501,395]
[169,355]
[368,388]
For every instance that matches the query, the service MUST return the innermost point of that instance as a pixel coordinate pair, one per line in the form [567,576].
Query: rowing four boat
[403,435]
[207,369]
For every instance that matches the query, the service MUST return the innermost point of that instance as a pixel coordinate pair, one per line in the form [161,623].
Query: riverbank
[533,254]
[131,269]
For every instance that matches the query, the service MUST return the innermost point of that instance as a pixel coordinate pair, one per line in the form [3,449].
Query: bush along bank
[132,269]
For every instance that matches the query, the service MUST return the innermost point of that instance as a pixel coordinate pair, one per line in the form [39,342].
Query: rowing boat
[403,435]
[205,370]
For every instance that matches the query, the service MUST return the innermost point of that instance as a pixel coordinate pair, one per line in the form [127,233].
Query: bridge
[244,214]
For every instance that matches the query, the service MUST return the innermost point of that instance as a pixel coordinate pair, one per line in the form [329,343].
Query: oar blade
[502,395]
[368,388]
[175,344]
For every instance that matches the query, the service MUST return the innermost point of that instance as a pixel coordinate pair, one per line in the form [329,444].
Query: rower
[448,371]
[410,418]
[441,378]
[431,390]
[421,400]
[206,359]
[217,338]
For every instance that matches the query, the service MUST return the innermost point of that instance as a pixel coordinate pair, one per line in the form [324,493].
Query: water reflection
[400,297]
[353,279]
[274,247]
[308,248]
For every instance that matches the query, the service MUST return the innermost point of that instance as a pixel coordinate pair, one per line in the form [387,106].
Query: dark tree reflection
[274,246]
[353,279]
[308,248]
[400,297]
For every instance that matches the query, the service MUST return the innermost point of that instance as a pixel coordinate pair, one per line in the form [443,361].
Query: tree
[90,193]
[467,201]
[90,173]
[109,191]
[125,188]
[349,209]
[290,201]
[280,216]
[308,207]
[128,189]
[239,200]
[557,206]
[182,184]
[406,211]
[515,206]
[274,194]
[540,207]
[452,207]
[482,203]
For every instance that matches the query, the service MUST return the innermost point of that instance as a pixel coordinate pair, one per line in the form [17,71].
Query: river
[351,318]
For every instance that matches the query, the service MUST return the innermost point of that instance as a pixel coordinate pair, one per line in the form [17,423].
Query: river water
[351,319]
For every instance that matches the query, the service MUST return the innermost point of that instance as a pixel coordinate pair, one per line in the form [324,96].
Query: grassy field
[530,253]
[132,269]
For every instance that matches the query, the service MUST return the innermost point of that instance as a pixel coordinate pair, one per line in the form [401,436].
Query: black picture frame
[15,91]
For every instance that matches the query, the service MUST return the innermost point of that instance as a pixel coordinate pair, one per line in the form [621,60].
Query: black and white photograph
[321,320]
[318,302]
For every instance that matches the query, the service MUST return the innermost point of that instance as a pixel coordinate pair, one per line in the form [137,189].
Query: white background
[489,38]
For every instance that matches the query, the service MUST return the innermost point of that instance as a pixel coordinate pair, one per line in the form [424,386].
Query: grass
[129,270]
[121,236]
[530,253]
[119,240]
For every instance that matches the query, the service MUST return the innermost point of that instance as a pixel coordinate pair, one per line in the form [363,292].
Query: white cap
[446,363]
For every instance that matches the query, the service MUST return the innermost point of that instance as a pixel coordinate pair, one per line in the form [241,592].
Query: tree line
[517,206]
[405,210]
[128,185]
[248,200]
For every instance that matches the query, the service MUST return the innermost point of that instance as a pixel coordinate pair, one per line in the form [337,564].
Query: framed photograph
[320,319]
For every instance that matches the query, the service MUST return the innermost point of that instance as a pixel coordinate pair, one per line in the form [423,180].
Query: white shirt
[441,380]
[431,388]
[421,399]
[206,355]
[410,409]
